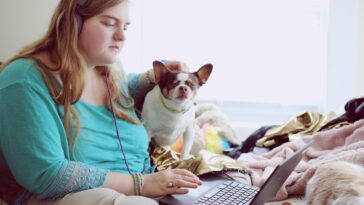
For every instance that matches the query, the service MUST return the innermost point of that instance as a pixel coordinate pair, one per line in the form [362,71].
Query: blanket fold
[345,143]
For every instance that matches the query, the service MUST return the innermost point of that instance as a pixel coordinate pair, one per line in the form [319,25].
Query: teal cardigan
[34,155]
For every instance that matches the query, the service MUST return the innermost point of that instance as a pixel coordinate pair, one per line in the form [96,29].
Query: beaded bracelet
[138,179]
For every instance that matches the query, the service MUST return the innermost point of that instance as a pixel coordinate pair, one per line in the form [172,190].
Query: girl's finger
[189,179]
[185,184]
[185,173]
[189,176]
[179,191]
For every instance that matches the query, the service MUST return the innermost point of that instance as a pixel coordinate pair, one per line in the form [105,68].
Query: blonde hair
[61,41]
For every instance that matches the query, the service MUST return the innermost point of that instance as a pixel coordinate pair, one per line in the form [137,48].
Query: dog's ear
[159,70]
[203,73]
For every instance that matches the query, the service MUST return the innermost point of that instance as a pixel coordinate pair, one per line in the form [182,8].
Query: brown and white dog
[168,109]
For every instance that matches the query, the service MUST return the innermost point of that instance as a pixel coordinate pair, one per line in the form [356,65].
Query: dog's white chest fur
[165,126]
[168,110]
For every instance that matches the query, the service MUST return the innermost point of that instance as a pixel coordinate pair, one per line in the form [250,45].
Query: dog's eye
[190,84]
[176,82]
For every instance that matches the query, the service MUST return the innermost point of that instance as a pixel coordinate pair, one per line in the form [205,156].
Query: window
[263,51]
[270,56]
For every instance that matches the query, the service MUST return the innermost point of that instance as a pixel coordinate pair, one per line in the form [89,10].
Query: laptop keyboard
[229,192]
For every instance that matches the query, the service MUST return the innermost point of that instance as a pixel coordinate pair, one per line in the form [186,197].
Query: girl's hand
[170,181]
[176,66]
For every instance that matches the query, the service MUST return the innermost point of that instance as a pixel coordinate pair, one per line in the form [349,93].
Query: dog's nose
[183,89]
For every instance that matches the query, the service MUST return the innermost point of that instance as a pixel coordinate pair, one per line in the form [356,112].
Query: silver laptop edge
[279,176]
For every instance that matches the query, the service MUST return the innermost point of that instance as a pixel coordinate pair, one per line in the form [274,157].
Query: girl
[69,133]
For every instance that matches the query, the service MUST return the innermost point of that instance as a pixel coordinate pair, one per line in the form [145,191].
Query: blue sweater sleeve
[34,144]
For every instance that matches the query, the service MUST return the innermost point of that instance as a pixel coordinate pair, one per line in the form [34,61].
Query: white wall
[22,22]
[359,73]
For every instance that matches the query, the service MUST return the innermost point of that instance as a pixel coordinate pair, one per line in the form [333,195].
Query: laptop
[218,190]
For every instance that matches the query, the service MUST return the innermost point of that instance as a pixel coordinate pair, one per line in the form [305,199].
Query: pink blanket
[345,143]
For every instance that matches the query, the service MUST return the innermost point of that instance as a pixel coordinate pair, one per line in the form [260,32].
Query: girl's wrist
[146,189]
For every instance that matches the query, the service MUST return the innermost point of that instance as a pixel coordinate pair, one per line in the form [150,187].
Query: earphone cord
[113,114]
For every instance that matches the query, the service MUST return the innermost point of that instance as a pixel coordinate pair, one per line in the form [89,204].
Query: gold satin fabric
[303,124]
[205,162]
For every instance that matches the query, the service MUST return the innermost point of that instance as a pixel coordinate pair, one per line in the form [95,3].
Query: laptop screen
[279,176]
